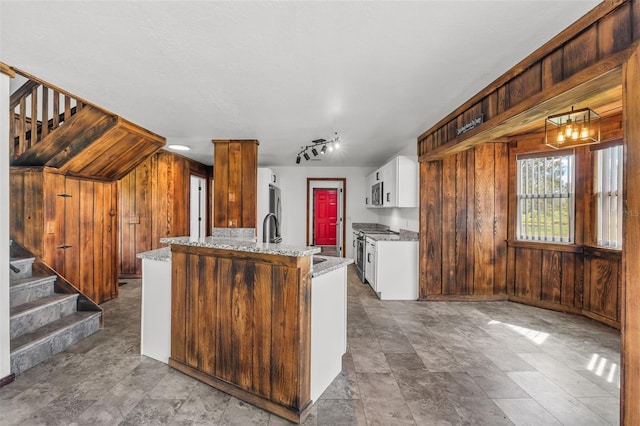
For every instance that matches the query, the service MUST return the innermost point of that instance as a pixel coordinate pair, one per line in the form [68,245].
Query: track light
[318,144]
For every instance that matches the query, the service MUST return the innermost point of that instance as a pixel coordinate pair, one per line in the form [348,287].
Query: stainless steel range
[360,244]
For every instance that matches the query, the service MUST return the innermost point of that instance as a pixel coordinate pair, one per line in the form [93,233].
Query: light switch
[51,227]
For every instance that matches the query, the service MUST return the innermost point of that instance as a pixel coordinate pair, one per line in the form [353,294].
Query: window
[546,197]
[608,193]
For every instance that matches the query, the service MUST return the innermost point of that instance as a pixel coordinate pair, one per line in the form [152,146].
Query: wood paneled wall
[235,183]
[241,322]
[69,223]
[465,227]
[154,203]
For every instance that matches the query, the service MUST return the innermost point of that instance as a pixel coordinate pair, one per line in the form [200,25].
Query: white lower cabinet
[370,260]
[394,265]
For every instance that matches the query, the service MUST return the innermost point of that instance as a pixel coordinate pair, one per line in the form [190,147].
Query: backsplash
[236,233]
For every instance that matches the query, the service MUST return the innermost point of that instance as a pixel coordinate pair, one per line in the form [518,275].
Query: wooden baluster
[21,126]
[34,118]
[67,107]
[56,109]
[79,106]
[45,112]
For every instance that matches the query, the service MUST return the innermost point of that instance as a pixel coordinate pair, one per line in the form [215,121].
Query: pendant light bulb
[560,137]
[324,149]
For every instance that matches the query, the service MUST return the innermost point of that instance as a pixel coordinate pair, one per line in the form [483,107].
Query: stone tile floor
[413,363]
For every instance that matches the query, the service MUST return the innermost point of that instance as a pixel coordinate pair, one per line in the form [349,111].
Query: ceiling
[379,73]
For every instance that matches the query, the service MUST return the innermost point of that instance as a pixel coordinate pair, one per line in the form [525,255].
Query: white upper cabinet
[400,182]
[399,178]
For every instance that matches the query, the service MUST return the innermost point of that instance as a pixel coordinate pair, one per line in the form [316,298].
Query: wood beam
[583,86]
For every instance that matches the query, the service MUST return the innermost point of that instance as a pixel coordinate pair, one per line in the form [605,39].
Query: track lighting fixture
[317,143]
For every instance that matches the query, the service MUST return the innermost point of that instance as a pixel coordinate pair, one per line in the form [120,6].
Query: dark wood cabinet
[69,223]
[235,183]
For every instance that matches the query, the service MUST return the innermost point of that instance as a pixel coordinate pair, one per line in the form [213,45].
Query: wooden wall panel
[69,223]
[603,284]
[155,203]
[463,273]
[235,183]
[449,243]
[484,195]
[465,225]
[432,238]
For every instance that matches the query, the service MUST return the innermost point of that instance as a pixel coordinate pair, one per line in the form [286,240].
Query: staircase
[43,322]
[53,128]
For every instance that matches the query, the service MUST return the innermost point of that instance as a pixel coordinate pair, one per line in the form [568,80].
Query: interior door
[325,216]
[198,207]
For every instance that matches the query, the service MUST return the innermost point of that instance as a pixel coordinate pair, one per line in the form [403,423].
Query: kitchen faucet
[266,225]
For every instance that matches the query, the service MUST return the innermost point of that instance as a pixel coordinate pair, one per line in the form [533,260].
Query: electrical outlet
[51,228]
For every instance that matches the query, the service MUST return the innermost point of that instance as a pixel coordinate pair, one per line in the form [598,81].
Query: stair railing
[37,109]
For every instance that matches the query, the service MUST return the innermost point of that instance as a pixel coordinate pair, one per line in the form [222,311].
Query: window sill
[541,245]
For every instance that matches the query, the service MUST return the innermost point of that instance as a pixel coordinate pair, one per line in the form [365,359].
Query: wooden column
[630,386]
[235,181]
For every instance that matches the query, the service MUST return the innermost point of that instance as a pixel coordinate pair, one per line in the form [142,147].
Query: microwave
[377,194]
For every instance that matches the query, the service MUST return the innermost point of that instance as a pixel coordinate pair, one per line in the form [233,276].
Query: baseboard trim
[6,380]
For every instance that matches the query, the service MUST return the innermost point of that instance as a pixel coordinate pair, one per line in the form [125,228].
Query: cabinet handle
[274,178]
[354,243]
[388,197]
[64,195]
[377,175]
[368,257]
[366,200]
[64,247]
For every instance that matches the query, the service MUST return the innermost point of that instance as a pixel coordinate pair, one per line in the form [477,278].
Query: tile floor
[410,363]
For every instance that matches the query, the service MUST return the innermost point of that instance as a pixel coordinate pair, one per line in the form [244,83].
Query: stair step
[43,343]
[29,316]
[23,290]
[24,265]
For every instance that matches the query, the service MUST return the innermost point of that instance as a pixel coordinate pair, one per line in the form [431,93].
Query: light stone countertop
[243,245]
[162,254]
[330,264]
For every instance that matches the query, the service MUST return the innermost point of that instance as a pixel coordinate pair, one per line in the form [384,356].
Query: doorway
[198,207]
[325,214]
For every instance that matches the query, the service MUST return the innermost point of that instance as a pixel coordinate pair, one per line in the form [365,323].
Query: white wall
[5,365]
[293,183]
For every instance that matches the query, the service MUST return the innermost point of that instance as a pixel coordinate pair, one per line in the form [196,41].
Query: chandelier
[572,128]
[322,145]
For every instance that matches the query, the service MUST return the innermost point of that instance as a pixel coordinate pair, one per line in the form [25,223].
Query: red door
[325,216]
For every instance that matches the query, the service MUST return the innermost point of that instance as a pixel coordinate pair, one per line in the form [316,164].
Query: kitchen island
[258,321]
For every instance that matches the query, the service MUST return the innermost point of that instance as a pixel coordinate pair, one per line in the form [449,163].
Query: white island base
[328,315]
